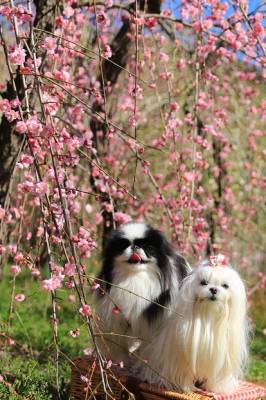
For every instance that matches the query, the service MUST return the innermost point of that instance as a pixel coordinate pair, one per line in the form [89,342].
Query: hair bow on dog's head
[219,260]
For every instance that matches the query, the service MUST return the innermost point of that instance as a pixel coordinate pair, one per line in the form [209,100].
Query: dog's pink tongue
[135,258]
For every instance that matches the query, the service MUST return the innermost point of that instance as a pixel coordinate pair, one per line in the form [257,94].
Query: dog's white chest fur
[134,290]
[129,293]
[132,293]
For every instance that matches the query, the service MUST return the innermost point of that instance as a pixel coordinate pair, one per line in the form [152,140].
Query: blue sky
[253,4]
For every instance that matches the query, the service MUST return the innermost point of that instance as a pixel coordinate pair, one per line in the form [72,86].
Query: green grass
[257,368]
[31,323]
[29,364]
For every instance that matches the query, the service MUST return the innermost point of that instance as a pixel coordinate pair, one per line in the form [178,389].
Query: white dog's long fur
[208,342]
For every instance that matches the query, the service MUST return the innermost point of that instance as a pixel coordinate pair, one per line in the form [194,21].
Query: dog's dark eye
[224,285]
[203,282]
[121,244]
[142,243]
[146,245]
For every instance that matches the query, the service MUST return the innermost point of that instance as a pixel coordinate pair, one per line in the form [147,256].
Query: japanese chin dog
[205,346]
[140,277]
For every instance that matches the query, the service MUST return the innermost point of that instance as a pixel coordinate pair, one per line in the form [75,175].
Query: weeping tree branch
[10,142]
[121,51]
[217,147]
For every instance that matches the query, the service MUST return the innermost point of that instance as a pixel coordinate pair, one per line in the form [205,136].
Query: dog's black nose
[213,290]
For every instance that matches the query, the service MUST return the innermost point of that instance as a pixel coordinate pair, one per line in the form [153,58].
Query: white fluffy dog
[206,345]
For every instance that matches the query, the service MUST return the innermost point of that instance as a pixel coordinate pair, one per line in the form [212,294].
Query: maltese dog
[205,345]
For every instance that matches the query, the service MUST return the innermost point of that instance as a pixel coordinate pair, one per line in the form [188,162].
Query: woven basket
[122,386]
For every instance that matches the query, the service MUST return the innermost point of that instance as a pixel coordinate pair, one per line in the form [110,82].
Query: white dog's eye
[203,282]
[224,285]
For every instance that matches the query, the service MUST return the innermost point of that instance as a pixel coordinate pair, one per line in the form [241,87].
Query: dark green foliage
[32,379]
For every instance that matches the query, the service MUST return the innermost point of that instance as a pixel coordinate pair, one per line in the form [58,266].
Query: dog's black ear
[186,278]
[182,266]
[160,242]
[107,260]
[110,238]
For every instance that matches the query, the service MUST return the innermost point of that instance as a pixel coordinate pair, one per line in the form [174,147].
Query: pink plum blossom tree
[113,111]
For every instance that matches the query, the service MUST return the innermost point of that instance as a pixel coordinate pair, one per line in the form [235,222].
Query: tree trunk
[121,51]
[9,141]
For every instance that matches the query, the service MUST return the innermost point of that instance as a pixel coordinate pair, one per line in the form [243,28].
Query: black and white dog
[140,277]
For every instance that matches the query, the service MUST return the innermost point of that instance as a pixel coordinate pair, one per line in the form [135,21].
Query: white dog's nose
[213,290]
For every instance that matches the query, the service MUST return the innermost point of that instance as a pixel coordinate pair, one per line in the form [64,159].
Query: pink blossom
[15,103]
[132,121]
[88,351]
[35,272]
[2,212]
[107,51]
[74,333]
[122,218]
[147,54]
[174,106]
[34,126]
[189,176]
[98,218]
[6,11]
[5,105]
[16,55]
[25,161]
[20,297]
[70,284]
[41,189]
[21,127]
[19,257]
[165,76]
[116,311]
[258,29]
[220,260]
[163,57]
[88,208]
[84,378]
[49,44]
[22,14]
[72,298]
[102,18]
[109,364]
[11,115]
[70,269]
[95,286]
[85,310]
[15,269]
[68,12]
[151,22]
[2,249]
[51,284]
